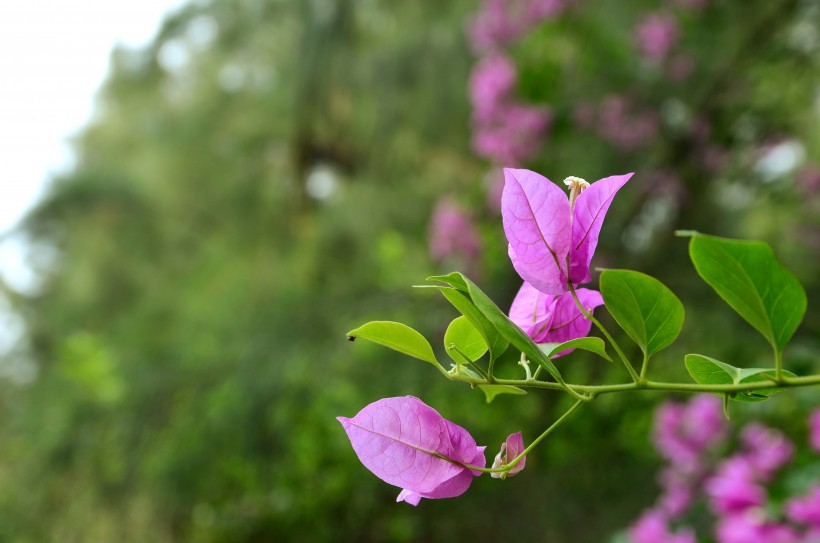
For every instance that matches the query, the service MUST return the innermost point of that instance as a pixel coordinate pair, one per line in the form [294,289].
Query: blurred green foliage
[256,183]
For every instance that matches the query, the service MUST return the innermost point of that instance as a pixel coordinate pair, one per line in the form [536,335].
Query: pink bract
[406,443]
[549,244]
[510,449]
[553,319]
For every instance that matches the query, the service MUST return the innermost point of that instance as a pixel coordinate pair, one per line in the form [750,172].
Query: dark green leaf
[748,276]
[398,337]
[647,311]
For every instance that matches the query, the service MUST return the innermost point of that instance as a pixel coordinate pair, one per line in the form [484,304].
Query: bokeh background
[266,175]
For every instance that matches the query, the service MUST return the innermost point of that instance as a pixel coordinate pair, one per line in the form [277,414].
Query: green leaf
[463,369]
[644,307]
[708,371]
[748,276]
[491,391]
[454,279]
[461,301]
[592,344]
[752,375]
[398,337]
[509,330]
[462,339]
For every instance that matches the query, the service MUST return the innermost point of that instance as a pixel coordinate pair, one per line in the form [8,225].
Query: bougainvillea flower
[552,237]
[553,319]
[406,443]
[805,509]
[509,450]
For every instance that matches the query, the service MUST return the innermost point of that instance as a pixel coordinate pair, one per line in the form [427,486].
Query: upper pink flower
[551,241]
[406,443]
[553,319]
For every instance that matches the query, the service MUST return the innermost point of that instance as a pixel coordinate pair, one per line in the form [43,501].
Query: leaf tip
[686,233]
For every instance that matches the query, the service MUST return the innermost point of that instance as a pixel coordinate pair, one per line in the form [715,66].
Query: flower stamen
[576,186]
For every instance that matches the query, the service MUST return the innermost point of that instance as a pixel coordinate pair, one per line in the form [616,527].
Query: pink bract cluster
[735,488]
[552,238]
[505,130]
[452,234]
[500,22]
[656,35]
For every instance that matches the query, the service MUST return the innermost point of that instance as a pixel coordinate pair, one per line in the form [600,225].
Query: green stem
[524,363]
[606,334]
[644,366]
[595,390]
[531,446]
[778,365]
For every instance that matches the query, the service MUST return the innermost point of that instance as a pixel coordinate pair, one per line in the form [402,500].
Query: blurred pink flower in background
[491,84]
[753,527]
[626,126]
[805,509]
[677,492]
[452,234]
[733,488]
[513,134]
[656,34]
[653,527]
[683,433]
[766,450]
[500,22]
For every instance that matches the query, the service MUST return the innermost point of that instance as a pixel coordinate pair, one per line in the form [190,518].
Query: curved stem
[531,446]
[606,334]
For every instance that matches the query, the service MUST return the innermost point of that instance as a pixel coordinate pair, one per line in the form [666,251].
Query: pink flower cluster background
[693,438]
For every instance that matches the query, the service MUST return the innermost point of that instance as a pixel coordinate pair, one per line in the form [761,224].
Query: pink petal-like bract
[588,216]
[567,320]
[553,319]
[408,444]
[535,213]
[511,448]
[532,311]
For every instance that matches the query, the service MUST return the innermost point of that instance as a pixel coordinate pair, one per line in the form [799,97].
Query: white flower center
[576,186]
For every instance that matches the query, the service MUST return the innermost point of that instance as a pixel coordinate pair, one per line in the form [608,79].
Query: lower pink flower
[406,443]
[510,449]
